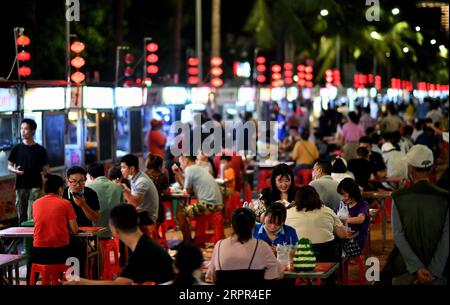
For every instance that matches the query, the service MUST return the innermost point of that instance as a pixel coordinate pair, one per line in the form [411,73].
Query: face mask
[276,232]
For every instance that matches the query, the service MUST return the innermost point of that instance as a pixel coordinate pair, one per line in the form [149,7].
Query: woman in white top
[317,222]
[241,259]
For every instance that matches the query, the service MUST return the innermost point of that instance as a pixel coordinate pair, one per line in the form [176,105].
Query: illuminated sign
[98,97]
[8,100]
[292,94]
[246,95]
[44,99]
[264,94]
[128,97]
[278,93]
[174,95]
[242,69]
[200,95]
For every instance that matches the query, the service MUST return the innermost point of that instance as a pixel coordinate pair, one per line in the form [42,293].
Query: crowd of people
[344,156]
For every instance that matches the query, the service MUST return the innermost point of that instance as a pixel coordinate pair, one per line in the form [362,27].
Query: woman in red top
[53,218]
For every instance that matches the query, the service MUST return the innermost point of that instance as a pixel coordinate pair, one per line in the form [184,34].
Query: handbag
[351,248]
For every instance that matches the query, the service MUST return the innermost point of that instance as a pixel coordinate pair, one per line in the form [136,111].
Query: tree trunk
[215,31]
[177,40]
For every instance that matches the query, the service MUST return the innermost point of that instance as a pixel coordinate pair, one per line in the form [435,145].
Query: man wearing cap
[156,139]
[420,226]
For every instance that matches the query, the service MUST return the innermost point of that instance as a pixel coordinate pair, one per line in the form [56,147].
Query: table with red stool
[7,263]
[380,195]
[88,234]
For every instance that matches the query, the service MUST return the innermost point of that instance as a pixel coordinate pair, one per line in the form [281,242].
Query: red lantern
[261,68]
[216,82]
[152,69]
[77,62]
[152,47]
[23,56]
[301,68]
[260,60]
[128,58]
[24,71]
[77,47]
[193,61]
[77,77]
[128,71]
[152,58]
[288,81]
[193,80]
[216,71]
[138,81]
[23,40]
[276,76]
[287,66]
[193,70]
[276,68]
[288,73]
[261,78]
[308,69]
[216,61]
[128,83]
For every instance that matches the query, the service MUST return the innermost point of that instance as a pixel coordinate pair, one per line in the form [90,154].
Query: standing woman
[351,133]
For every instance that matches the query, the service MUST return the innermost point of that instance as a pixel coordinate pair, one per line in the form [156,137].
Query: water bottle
[222,171]
[283,255]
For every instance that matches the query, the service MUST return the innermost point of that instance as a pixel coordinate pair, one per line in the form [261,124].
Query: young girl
[273,230]
[358,218]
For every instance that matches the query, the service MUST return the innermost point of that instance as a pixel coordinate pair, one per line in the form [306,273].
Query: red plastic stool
[203,224]
[111,263]
[169,223]
[232,203]
[159,234]
[361,272]
[247,193]
[51,274]
[388,203]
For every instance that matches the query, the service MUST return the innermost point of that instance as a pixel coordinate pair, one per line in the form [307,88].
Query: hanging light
[77,47]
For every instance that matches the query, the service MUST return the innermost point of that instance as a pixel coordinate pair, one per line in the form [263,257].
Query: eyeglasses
[80,182]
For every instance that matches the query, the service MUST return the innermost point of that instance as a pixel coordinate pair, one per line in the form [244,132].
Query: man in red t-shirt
[53,218]
[156,140]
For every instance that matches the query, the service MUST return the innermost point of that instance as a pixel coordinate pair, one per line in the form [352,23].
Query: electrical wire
[12,68]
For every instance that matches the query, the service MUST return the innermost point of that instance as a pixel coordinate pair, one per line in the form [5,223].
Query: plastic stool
[111,268]
[51,274]
[232,203]
[204,222]
[169,223]
[159,234]
[361,272]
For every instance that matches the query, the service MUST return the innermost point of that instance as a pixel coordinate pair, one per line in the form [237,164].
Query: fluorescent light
[417,28]
[324,13]
[405,50]
[433,41]
[395,11]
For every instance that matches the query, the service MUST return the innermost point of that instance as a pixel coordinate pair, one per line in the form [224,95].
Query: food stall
[46,106]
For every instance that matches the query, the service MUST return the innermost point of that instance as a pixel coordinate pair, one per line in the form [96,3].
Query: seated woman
[339,170]
[282,187]
[358,209]
[53,218]
[273,230]
[317,222]
[241,259]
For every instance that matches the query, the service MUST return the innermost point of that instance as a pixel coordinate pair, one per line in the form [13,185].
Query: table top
[390,179]
[377,194]
[271,164]
[10,259]
[29,232]
[322,271]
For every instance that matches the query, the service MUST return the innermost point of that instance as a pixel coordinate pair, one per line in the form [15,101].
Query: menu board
[54,124]
[8,99]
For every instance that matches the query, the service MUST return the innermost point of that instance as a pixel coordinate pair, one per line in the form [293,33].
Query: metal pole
[68,50]
[17,32]
[198,37]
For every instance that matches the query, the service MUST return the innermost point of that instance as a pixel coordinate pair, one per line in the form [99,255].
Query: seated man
[148,261]
[196,180]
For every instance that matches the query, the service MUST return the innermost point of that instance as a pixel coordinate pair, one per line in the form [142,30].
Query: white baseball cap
[420,156]
[387,147]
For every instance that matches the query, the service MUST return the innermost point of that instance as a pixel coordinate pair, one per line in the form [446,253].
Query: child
[358,218]
[228,174]
[273,230]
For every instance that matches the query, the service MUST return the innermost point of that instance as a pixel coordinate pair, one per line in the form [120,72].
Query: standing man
[420,226]
[143,193]
[156,140]
[27,160]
